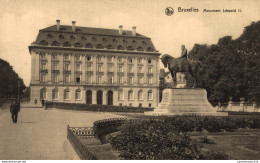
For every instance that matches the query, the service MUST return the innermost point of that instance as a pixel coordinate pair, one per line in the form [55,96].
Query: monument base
[185,102]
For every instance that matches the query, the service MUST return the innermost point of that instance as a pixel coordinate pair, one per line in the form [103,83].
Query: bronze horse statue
[182,65]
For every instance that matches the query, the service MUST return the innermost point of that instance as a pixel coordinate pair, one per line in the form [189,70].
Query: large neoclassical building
[94,66]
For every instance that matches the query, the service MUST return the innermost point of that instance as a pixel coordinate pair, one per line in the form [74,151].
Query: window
[66,94]
[55,78]
[150,80]
[140,95]
[109,59]
[89,58]
[131,80]
[99,79]
[100,67]
[78,66]
[121,95]
[42,56]
[140,69]
[149,69]
[43,66]
[67,66]
[99,59]
[120,60]
[78,78]
[66,57]
[110,68]
[130,95]
[140,61]
[130,60]
[120,68]
[150,105]
[43,77]
[104,40]
[55,94]
[55,43]
[77,58]
[120,79]
[43,93]
[55,57]
[110,79]
[149,61]
[140,80]
[130,68]
[89,67]
[67,78]
[78,94]
[89,78]
[55,66]
[150,95]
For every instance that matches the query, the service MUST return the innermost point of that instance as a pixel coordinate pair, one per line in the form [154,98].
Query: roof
[99,38]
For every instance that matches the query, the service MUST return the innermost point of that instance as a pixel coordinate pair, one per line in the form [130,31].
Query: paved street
[41,134]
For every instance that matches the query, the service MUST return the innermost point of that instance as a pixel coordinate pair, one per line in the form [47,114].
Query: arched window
[89,45]
[140,95]
[99,46]
[110,47]
[49,36]
[78,45]
[55,94]
[94,39]
[66,44]
[66,94]
[130,48]
[114,40]
[72,37]
[61,37]
[150,95]
[78,94]
[43,42]
[43,93]
[120,47]
[55,43]
[130,95]
[140,49]
[149,49]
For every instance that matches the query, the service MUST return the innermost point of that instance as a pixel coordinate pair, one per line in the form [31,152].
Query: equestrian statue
[182,64]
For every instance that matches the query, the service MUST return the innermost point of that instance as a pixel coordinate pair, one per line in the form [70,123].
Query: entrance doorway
[89,97]
[100,97]
[110,98]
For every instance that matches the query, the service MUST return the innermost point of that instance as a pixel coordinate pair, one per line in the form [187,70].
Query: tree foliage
[9,81]
[231,68]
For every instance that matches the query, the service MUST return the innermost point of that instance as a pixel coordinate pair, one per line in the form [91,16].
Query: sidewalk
[41,134]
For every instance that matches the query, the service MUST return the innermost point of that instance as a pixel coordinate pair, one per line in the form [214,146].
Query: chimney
[134,30]
[73,26]
[121,30]
[58,25]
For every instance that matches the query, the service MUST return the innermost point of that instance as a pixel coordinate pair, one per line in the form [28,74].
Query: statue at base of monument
[182,64]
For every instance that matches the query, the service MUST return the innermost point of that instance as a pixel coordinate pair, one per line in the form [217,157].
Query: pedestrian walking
[35,101]
[14,109]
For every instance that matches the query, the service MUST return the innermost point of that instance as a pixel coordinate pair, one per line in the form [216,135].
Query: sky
[21,20]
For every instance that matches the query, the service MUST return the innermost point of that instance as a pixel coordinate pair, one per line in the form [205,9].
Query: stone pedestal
[185,101]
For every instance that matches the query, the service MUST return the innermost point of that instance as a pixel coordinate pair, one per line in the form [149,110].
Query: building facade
[94,66]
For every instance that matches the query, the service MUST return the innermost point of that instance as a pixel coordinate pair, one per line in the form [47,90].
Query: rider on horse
[184,56]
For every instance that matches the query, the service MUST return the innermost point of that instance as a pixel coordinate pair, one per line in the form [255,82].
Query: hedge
[95,107]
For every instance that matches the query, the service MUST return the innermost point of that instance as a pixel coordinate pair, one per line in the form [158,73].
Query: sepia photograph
[129,80]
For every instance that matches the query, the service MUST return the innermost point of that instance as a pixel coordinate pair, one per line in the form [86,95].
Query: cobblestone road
[41,134]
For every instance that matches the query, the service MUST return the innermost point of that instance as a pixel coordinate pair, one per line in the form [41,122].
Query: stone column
[60,57]
[49,67]
[115,70]
[104,97]
[83,68]
[125,61]
[72,68]
[94,69]
[145,70]
[105,78]
[135,68]
[94,97]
